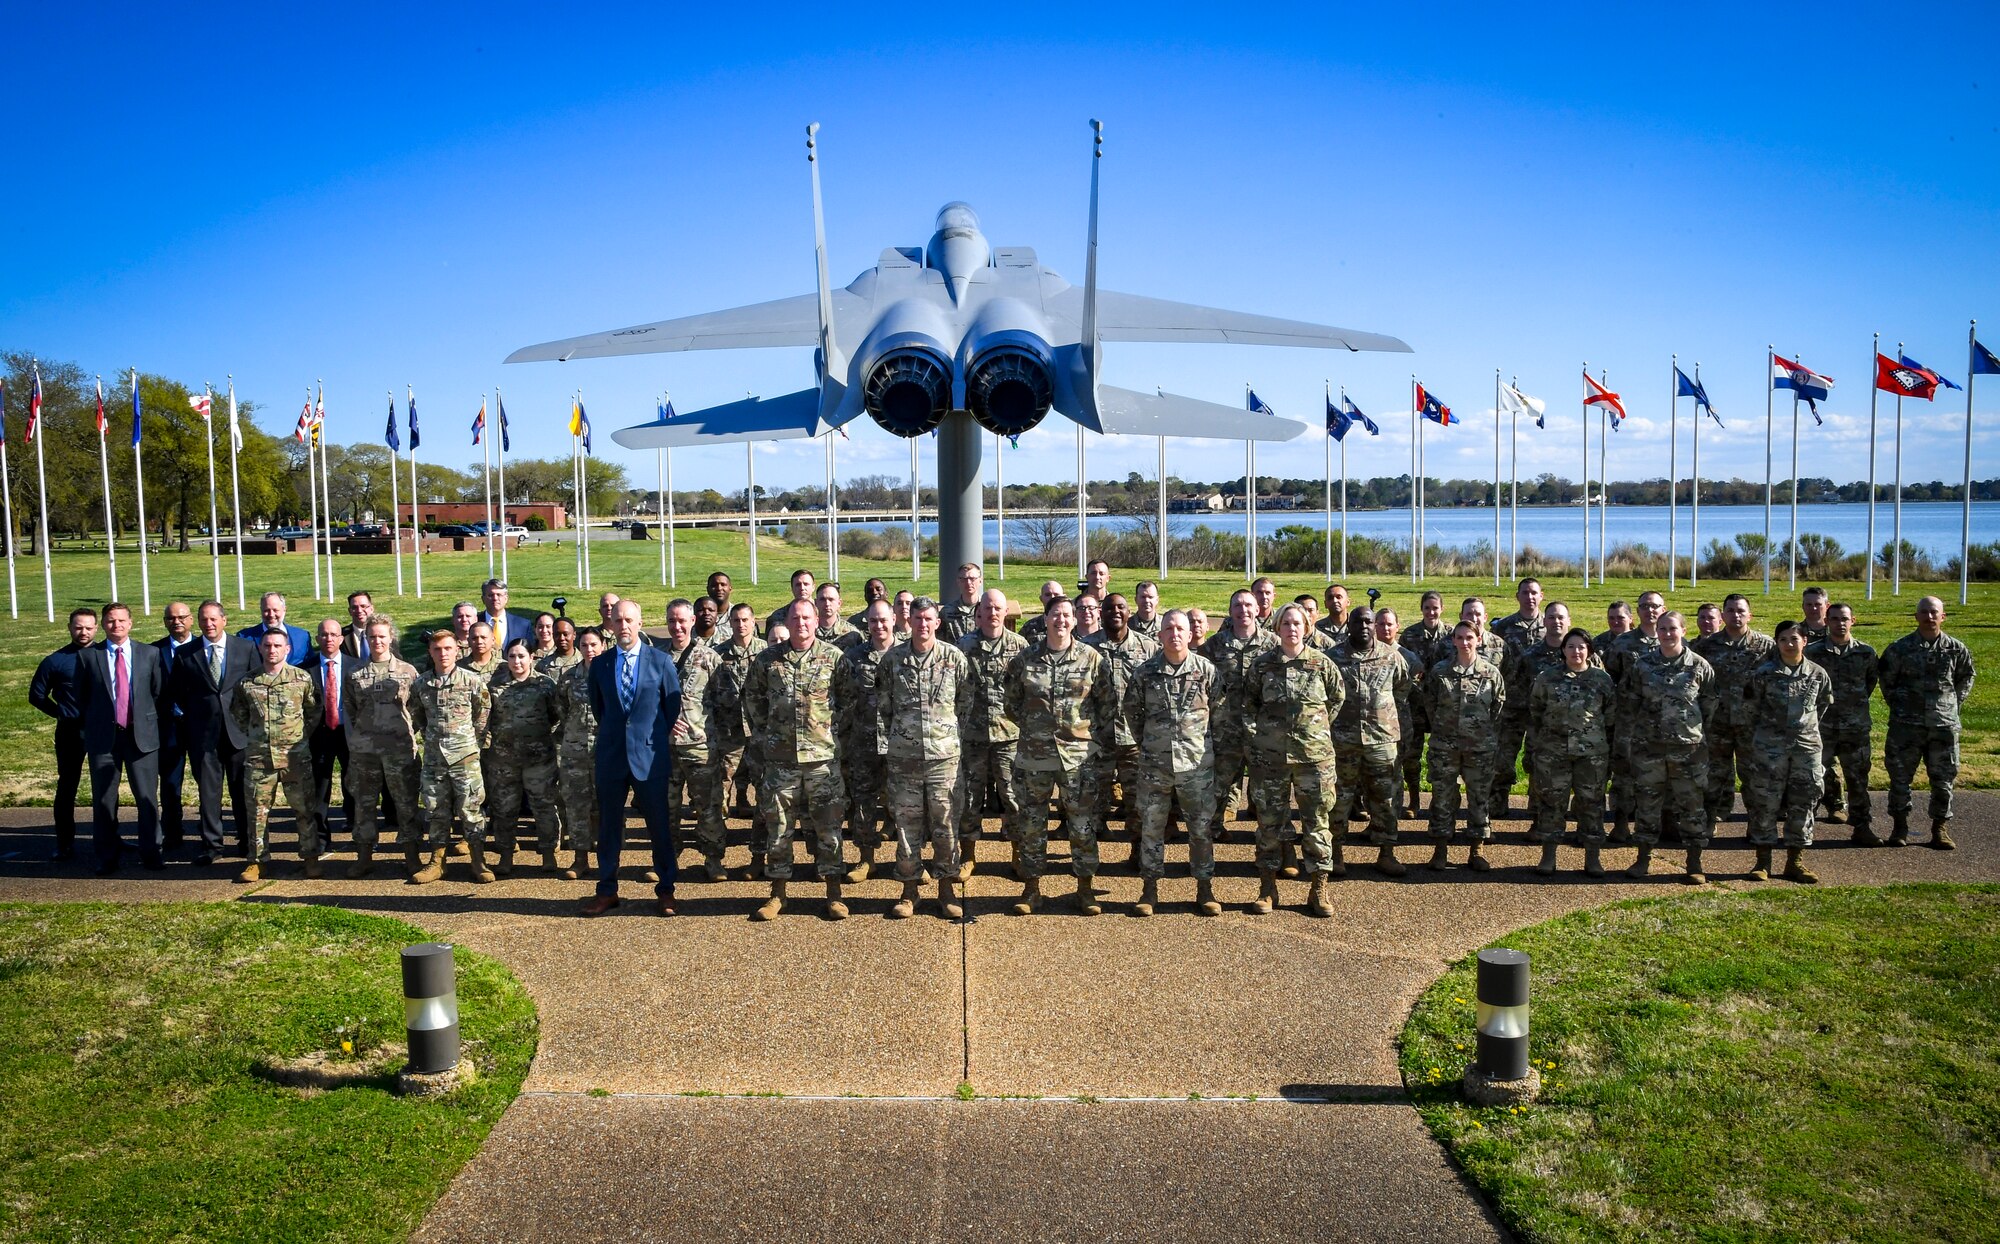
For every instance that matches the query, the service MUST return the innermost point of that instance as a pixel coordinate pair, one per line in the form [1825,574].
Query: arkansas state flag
[1910,381]
[1432,409]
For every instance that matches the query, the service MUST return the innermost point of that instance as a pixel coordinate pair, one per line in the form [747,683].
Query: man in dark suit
[360,607]
[328,739]
[204,679]
[53,692]
[173,747]
[272,607]
[119,686]
[507,627]
[636,695]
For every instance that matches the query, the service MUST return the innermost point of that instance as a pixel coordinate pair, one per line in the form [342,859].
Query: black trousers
[69,778]
[142,771]
[328,746]
[173,774]
[214,769]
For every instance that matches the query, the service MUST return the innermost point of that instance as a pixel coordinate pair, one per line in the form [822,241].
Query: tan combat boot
[1316,904]
[1086,896]
[906,906]
[458,849]
[713,869]
[1547,866]
[431,869]
[1642,866]
[1336,865]
[482,872]
[859,873]
[1761,870]
[364,861]
[835,908]
[1475,859]
[1149,897]
[1267,894]
[1030,901]
[968,857]
[756,869]
[1388,865]
[1694,875]
[772,905]
[1288,861]
[1795,867]
[948,898]
[579,865]
[1592,865]
[251,872]
[1864,836]
[1204,898]
[313,872]
[1941,836]
[1900,835]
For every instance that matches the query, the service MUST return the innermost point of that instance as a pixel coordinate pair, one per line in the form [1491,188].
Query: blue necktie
[626,660]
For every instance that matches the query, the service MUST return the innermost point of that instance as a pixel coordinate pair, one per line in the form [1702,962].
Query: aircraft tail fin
[832,363]
[1077,366]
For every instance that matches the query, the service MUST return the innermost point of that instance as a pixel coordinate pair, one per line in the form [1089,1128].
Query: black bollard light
[1502,1017]
[430,1007]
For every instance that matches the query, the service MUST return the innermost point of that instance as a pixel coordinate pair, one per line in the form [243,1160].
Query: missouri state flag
[1432,409]
[1810,386]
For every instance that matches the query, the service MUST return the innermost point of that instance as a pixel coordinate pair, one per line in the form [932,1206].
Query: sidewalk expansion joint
[1385,1095]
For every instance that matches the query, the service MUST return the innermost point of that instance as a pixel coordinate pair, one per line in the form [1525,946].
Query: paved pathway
[1135,1017]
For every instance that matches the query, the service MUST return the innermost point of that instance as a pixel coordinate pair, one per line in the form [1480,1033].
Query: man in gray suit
[119,686]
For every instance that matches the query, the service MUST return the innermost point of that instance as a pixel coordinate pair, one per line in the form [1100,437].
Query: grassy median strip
[1783,1064]
[139,1097]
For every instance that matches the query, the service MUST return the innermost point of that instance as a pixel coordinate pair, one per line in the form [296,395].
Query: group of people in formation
[899,727]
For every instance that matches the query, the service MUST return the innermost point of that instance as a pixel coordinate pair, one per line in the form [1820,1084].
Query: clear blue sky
[403,197]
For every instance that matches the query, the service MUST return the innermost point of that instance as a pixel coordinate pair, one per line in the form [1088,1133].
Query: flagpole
[660,509]
[916,540]
[673,557]
[832,523]
[583,492]
[576,495]
[1694,497]
[1163,504]
[1673,475]
[1770,351]
[325,486]
[416,500]
[1413,477]
[1514,485]
[1327,497]
[312,491]
[1082,509]
[395,501]
[13,532]
[1965,518]
[486,478]
[214,519]
[750,455]
[1586,478]
[500,465]
[1792,570]
[1496,477]
[1343,490]
[1603,480]
[1249,514]
[139,489]
[1868,573]
[1423,489]
[235,494]
[1000,503]
[1896,523]
[104,461]
[42,476]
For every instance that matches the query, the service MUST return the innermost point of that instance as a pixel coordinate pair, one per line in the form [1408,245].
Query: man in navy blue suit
[173,747]
[272,607]
[507,627]
[119,686]
[203,682]
[636,695]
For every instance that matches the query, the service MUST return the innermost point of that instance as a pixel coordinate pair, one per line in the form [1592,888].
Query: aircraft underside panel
[1123,412]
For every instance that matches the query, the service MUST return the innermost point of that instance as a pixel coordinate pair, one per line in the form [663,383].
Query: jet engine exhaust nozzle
[908,393]
[1009,392]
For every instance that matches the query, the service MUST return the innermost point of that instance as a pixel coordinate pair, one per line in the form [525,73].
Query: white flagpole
[486,478]
[1868,573]
[1163,506]
[1496,477]
[660,509]
[576,498]
[42,476]
[1603,480]
[916,540]
[1674,474]
[1965,513]
[1514,484]
[500,464]
[1694,498]
[104,460]
[1770,351]
[235,493]
[1792,570]
[1586,480]
[673,559]
[312,493]
[325,487]
[139,489]
[1896,524]
[1082,508]
[750,457]
[1423,498]
[1413,477]
[1249,513]
[1327,497]
[583,494]
[832,516]
[13,532]
[1343,491]
[1000,502]
[214,519]
[395,503]
[416,502]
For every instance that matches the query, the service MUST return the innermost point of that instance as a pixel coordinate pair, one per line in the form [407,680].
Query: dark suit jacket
[94,690]
[302,643]
[517,627]
[316,666]
[204,704]
[635,741]
[354,643]
[165,644]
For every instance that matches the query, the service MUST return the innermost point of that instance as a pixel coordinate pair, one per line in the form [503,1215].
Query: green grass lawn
[632,568]
[1791,1064]
[133,1107]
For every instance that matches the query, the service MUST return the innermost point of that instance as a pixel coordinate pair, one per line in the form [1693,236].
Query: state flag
[34,406]
[389,437]
[415,438]
[1515,402]
[1341,418]
[1812,387]
[100,406]
[1434,410]
[203,403]
[1904,379]
[500,406]
[1684,387]
[1907,361]
[1595,394]
[479,423]
[1984,361]
[135,408]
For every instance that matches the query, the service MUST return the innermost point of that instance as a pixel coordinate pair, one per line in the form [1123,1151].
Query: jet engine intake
[1009,390]
[908,391]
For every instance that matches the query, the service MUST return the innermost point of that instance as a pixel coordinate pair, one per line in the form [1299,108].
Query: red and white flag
[100,406]
[305,423]
[1595,394]
[201,403]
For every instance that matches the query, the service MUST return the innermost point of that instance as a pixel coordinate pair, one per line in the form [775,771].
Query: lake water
[1930,525]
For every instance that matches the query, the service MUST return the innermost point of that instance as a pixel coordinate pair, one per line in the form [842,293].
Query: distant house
[1204,504]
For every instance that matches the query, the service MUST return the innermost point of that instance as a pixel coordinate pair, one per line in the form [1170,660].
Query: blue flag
[1255,403]
[1907,361]
[389,436]
[1684,387]
[583,424]
[135,408]
[1340,418]
[415,440]
[1984,361]
[505,443]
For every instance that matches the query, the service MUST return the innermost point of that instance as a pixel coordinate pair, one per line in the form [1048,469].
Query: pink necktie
[122,693]
[332,697]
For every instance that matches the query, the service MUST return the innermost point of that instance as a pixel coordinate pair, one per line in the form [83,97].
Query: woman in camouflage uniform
[577,752]
[1569,728]
[521,761]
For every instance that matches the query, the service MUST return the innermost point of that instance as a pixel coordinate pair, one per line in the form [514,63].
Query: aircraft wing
[794,416]
[1126,413]
[1131,317]
[784,322]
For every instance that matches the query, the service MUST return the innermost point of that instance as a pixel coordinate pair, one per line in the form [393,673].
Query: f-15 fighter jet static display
[958,325]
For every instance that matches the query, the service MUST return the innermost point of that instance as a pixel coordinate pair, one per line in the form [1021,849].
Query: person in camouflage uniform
[557,662]
[1032,629]
[1521,631]
[729,730]
[519,765]
[833,628]
[1846,733]
[1812,608]
[862,765]
[482,654]
[1145,618]
[576,751]
[1526,664]
[1293,694]
[1368,731]
[691,780]
[1334,625]
[275,709]
[1466,695]
[1570,708]
[1787,698]
[1926,677]
[1670,700]
[1619,653]
[961,617]
[1389,631]
[1333,645]
[381,744]
[871,591]
[1618,620]
[1123,649]
[788,701]
[1168,703]
[991,737]
[451,706]
[1059,694]
[921,703]
[1420,641]
[1732,652]
[802,590]
[1232,649]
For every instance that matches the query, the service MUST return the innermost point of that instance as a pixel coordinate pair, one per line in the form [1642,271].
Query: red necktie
[122,693]
[332,696]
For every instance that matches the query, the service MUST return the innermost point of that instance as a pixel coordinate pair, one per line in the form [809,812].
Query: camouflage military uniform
[957,620]
[921,702]
[1619,656]
[381,746]
[576,752]
[1229,727]
[519,765]
[788,700]
[1149,627]
[1291,703]
[1035,629]
[1845,732]
[1786,704]
[1119,765]
[991,737]
[1062,703]
[275,710]
[452,710]
[1569,729]
[1418,641]
[778,617]
[554,666]
[862,765]
[1366,736]
[1521,637]
[1408,702]
[1465,707]
[1526,665]
[1669,702]
[729,732]
[691,781]
[1332,645]
[1729,732]
[1925,682]
[1168,706]
[485,669]
[843,634]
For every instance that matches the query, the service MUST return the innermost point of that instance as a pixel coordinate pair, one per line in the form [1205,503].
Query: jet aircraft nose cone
[956,217]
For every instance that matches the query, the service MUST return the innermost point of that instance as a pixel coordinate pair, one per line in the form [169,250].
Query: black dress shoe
[62,855]
[105,870]
[202,859]
[152,863]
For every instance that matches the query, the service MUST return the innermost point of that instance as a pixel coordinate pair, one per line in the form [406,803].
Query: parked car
[368,531]
[518,532]
[292,533]
[457,531]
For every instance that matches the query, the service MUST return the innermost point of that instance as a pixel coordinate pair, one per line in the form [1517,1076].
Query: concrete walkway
[1110,1028]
